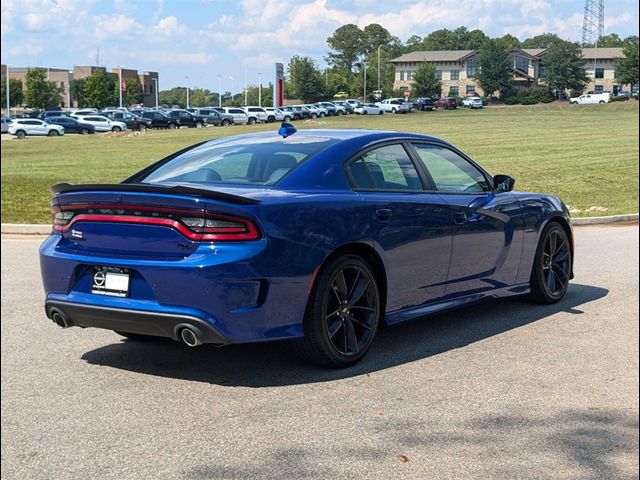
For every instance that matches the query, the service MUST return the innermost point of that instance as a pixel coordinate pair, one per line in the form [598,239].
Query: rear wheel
[286,119]
[225,123]
[21,134]
[551,266]
[380,112]
[142,127]
[601,101]
[343,314]
[199,124]
[84,131]
[172,126]
[393,110]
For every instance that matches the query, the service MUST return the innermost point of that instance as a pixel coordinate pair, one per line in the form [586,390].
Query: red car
[446,103]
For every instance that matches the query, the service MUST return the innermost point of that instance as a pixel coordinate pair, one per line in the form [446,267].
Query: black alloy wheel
[343,313]
[552,265]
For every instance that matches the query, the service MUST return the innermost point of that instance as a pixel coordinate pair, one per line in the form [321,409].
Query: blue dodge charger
[317,236]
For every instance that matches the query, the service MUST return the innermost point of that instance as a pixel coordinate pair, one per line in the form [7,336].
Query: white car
[353,102]
[368,109]
[394,105]
[256,114]
[21,127]
[316,110]
[591,98]
[472,102]
[85,111]
[103,124]
[240,117]
[275,114]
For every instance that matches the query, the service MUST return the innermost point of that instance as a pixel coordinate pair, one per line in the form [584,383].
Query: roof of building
[602,52]
[434,56]
[534,52]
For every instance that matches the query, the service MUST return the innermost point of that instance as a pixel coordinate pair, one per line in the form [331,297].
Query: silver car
[6,121]
[22,127]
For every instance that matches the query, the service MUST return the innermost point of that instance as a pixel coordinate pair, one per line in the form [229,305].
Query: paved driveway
[503,390]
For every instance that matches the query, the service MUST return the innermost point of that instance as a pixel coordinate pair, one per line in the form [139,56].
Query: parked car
[6,121]
[591,98]
[160,120]
[133,122]
[21,127]
[446,103]
[318,238]
[71,125]
[187,119]
[103,124]
[214,117]
[348,108]
[341,95]
[85,111]
[275,114]
[472,102]
[53,113]
[304,112]
[316,110]
[293,114]
[332,110]
[240,117]
[394,105]
[368,109]
[353,102]
[424,104]
[256,115]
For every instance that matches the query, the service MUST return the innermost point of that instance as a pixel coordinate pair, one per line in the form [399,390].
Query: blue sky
[202,39]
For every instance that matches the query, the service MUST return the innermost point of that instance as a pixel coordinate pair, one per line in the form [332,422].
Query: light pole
[259,89]
[8,112]
[219,90]
[364,98]
[69,89]
[155,81]
[187,78]
[232,86]
[120,85]
[379,66]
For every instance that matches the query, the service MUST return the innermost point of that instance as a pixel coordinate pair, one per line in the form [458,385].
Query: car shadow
[272,364]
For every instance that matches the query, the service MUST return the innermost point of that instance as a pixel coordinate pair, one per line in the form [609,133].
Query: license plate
[112,281]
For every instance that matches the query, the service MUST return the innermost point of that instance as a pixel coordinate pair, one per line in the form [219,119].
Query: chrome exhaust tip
[190,337]
[60,319]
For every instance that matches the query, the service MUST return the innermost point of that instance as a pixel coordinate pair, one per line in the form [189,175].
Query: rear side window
[263,161]
[385,168]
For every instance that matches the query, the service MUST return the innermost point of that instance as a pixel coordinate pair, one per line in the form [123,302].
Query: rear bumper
[133,321]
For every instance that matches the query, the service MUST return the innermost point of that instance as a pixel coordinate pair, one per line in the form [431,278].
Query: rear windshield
[260,161]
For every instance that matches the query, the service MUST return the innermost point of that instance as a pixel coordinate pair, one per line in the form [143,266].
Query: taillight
[196,225]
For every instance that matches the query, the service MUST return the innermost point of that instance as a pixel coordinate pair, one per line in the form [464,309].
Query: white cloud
[107,26]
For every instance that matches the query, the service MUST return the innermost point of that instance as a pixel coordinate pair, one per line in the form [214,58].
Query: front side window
[385,168]
[451,172]
[263,161]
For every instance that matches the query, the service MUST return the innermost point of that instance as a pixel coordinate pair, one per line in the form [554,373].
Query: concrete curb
[31,229]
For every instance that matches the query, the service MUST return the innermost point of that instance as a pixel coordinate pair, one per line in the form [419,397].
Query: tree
[495,67]
[413,43]
[546,40]
[77,91]
[508,41]
[627,67]
[609,41]
[564,67]
[375,35]
[101,90]
[15,92]
[425,83]
[347,45]
[306,79]
[41,93]
[458,39]
[175,96]
[133,92]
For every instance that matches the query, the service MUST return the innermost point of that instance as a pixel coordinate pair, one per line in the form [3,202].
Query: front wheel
[172,126]
[53,133]
[199,125]
[342,315]
[380,112]
[225,123]
[393,110]
[142,127]
[84,131]
[601,101]
[21,134]
[286,119]
[252,121]
[116,129]
[552,265]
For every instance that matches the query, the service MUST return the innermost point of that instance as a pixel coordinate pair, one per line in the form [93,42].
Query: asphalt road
[505,390]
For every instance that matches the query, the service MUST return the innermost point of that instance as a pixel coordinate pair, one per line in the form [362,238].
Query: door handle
[460,217]
[383,214]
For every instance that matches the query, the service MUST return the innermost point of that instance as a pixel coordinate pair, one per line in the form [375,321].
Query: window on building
[401,74]
[540,69]
[455,74]
[439,74]
[453,91]
[599,72]
[472,67]
[151,88]
[471,89]
[62,85]
[599,89]
[521,63]
[409,75]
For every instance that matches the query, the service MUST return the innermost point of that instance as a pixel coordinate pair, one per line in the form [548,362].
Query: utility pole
[259,89]
[379,66]
[364,98]
[120,85]
[232,86]
[8,112]
[155,81]
[187,91]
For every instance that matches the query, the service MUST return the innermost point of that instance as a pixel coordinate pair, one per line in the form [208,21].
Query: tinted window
[263,161]
[388,167]
[449,171]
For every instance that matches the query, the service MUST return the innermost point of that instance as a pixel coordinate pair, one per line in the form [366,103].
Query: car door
[487,225]
[411,228]
[37,127]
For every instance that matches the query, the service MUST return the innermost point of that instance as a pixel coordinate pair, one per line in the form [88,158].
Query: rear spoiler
[148,188]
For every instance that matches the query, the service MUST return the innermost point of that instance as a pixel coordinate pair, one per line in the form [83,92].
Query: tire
[172,126]
[286,119]
[342,315]
[551,266]
[225,123]
[21,134]
[271,119]
[142,127]
[340,113]
[573,103]
[322,114]
[393,110]
[84,131]
[116,129]
[53,133]
[364,112]
[313,115]
[601,101]
[380,112]
[199,125]
[252,121]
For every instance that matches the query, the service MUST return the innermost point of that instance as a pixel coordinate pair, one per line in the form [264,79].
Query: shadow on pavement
[272,364]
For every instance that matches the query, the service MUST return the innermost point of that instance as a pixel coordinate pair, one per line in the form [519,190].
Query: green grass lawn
[588,155]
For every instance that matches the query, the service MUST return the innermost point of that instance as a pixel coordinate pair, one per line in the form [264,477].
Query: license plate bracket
[111,281]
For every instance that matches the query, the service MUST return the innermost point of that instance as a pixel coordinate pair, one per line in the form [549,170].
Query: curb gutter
[32,229]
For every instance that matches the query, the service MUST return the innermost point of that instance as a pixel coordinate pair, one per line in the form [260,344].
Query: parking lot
[504,390]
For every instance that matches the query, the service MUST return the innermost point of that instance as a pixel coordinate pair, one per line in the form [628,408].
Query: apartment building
[456,69]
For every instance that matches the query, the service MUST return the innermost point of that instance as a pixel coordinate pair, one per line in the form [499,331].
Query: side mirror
[503,183]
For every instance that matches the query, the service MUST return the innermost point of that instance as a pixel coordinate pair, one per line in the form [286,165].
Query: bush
[512,100]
